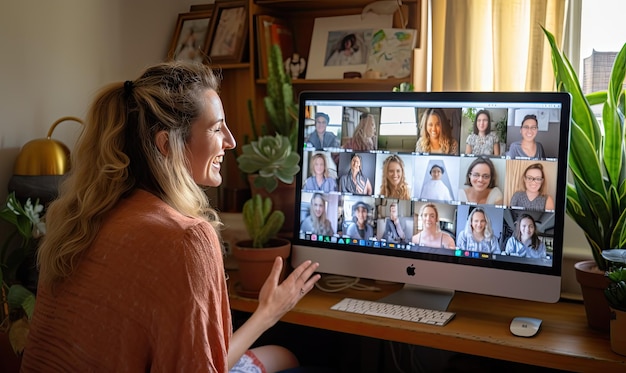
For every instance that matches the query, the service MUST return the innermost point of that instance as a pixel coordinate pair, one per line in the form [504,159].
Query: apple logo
[410,270]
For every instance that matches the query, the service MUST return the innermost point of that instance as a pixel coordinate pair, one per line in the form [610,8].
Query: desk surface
[480,327]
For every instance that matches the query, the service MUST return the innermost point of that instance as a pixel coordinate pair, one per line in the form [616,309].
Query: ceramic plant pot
[592,284]
[618,331]
[255,264]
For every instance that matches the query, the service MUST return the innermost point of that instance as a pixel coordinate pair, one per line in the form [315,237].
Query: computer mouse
[525,326]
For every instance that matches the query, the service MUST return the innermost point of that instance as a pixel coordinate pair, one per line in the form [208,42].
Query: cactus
[282,110]
[261,222]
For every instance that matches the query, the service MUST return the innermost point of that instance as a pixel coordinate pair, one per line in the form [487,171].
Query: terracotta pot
[592,284]
[283,199]
[618,331]
[256,264]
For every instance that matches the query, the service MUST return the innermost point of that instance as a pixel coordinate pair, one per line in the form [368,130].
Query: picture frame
[190,36]
[329,33]
[228,31]
[270,30]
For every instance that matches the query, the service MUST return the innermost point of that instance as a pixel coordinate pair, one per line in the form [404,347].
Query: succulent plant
[261,222]
[272,158]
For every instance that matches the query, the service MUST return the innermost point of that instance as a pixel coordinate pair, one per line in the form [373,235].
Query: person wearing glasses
[478,234]
[533,195]
[480,183]
[394,183]
[527,147]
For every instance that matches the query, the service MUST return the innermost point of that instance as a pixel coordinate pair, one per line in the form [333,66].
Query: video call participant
[359,228]
[354,181]
[525,242]
[481,183]
[477,235]
[394,183]
[320,178]
[533,195]
[394,232]
[364,137]
[527,147]
[435,188]
[431,235]
[482,141]
[317,222]
[436,134]
[321,138]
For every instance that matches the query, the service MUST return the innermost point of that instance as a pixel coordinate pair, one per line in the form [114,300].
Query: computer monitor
[444,192]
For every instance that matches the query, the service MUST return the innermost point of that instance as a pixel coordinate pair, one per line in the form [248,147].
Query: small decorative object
[615,293]
[391,52]
[597,157]
[190,36]
[256,257]
[295,65]
[272,30]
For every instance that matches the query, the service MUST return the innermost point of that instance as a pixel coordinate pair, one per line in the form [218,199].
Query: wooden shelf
[318,4]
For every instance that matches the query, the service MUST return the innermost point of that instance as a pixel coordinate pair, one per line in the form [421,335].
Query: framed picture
[190,36]
[341,44]
[228,31]
[271,30]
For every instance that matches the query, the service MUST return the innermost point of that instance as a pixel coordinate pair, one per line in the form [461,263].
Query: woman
[482,141]
[316,222]
[132,258]
[436,134]
[320,179]
[359,228]
[527,147]
[481,183]
[533,195]
[478,234]
[435,188]
[364,134]
[393,226]
[431,235]
[525,242]
[394,183]
[354,181]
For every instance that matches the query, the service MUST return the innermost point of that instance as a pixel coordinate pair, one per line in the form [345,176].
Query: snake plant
[596,194]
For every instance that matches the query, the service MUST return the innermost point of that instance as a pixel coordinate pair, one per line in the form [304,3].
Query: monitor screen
[458,191]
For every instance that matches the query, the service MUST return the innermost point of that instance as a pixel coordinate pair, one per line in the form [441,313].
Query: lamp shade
[44,156]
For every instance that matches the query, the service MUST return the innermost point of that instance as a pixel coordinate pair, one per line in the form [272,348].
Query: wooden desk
[481,327]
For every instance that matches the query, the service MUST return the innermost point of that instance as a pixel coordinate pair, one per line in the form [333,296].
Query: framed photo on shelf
[341,44]
[228,31]
[271,30]
[190,36]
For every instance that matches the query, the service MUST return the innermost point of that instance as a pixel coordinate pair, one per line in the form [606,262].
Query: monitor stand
[420,297]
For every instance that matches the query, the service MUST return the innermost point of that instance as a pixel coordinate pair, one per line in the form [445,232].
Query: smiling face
[429,217]
[393,211]
[478,222]
[319,166]
[435,173]
[433,126]
[482,123]
[320,125]
[361,215]
[394,173]
[355,165]
[318,207]
[209,138]
[529,130]
[526,228]
[480,176]
[533,180]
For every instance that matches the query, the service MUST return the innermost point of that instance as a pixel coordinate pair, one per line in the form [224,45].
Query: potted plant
[596,198]
[616,296]
[17,301]
[270,161]
[256,255]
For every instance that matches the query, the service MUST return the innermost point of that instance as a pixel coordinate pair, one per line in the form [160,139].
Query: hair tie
[128,87]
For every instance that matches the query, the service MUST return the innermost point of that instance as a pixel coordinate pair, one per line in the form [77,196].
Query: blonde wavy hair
[116,154]
[386,189]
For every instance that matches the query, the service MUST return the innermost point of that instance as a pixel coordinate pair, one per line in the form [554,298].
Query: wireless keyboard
[394,311]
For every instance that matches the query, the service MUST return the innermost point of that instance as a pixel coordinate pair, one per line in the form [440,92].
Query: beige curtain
[494,45]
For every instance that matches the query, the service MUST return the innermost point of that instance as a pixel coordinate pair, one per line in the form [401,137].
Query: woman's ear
[162,140]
